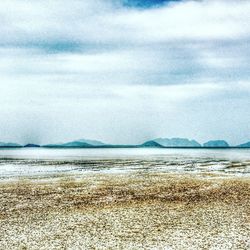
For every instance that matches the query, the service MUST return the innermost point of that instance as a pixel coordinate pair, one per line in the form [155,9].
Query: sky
[124,71]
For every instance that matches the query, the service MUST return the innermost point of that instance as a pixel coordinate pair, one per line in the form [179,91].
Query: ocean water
[44,163]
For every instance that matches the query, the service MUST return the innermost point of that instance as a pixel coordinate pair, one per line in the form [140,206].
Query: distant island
[177,142]
[154,143]
[216,144]
[31,146]
[10,145]
[245,145]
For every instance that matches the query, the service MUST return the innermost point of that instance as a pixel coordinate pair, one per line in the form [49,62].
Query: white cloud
[100,21]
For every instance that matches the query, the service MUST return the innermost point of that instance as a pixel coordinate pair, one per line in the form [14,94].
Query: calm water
[49,162]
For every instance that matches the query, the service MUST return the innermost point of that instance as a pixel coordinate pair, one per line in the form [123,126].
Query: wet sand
[138,210]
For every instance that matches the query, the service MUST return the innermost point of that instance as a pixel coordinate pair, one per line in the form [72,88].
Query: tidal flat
[165,202]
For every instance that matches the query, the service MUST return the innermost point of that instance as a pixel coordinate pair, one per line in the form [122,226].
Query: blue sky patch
[146,3]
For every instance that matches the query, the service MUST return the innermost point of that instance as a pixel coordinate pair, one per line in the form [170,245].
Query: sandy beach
[126,211]
[124,199]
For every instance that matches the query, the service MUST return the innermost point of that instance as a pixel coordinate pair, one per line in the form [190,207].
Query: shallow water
[50,162]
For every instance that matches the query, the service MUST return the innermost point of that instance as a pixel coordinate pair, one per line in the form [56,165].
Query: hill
[177,142]
[244,145]
[216,144]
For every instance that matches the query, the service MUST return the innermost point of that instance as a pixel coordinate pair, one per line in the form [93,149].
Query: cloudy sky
[124,71]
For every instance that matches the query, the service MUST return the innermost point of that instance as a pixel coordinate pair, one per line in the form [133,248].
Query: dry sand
[126,211]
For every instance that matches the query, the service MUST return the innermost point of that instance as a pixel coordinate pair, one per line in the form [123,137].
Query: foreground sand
[124,211]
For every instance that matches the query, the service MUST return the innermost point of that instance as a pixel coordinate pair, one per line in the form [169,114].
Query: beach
[144,208]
